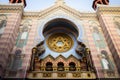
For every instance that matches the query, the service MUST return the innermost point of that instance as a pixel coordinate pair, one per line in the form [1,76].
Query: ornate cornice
[11,8]
[50,10]
[88,15]
[108,9]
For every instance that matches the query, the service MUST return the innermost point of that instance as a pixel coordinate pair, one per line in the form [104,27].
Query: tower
[18,1]
[95,2]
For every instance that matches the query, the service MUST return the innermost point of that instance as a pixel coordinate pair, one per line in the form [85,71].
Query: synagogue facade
[59,42]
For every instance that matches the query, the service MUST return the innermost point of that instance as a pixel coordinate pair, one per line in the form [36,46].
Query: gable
[55,9]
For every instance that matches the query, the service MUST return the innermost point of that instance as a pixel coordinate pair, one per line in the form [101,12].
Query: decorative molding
[54,8]
[11,8]
[107,8]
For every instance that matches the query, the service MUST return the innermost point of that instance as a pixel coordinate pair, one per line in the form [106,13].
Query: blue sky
[81,5]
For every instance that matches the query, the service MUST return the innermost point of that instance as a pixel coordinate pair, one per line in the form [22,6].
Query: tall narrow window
[2,24]
[96,34]
[17,63]
[98,37]
[23,34]
[105,61]
[117,24]
[22,37]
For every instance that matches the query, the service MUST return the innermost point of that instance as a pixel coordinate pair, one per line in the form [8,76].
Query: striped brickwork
[96,51]
[93,49]
[26,50]
[29,46]
[111,36]
[8,38]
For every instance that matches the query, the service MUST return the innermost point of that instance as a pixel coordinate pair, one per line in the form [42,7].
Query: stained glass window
[2,26]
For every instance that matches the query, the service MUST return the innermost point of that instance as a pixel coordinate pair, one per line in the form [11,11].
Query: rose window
[60,42]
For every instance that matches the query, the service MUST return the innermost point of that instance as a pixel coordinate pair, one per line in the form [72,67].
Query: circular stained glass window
[60,42]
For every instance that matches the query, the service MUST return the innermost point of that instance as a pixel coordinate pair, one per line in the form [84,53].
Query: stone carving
[81,49]
[36,52]
[40,48]
[86,56]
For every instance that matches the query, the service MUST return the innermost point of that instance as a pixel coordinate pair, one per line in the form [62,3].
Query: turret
[18,1]
[95,2]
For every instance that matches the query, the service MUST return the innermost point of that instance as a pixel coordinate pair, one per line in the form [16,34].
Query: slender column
[32,64]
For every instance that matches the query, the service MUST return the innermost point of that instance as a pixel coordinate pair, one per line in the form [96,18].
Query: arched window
[105,61]
[72,66]
[22,37]
[2,24]
[96,34]
[98,37]
[60,66]
[23,33]
[49,66]
[17,63]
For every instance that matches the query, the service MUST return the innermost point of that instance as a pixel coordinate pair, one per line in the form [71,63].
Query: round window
[59,42]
